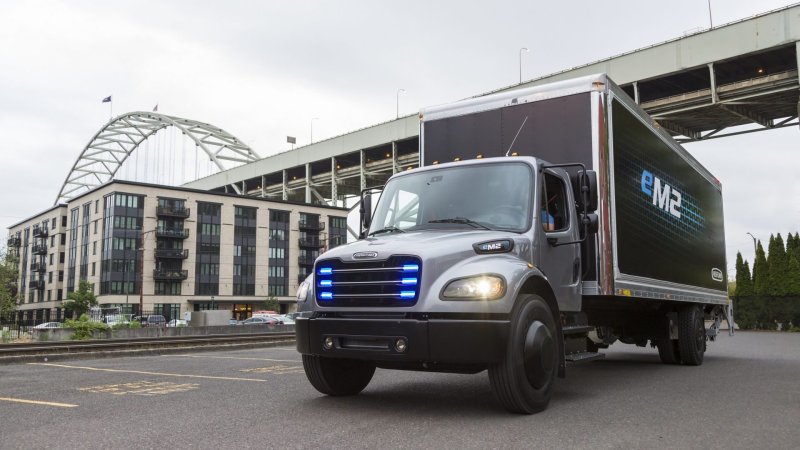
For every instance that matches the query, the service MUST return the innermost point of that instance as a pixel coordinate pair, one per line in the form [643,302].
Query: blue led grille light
[407,294]
[325,271]
[326,283]
[326,295]
[410,268]
[409,282]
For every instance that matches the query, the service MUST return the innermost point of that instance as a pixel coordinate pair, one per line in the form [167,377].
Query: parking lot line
[142,372]
[38,402]
[237,357]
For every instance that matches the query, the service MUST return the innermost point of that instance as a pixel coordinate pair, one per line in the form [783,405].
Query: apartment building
[169,250]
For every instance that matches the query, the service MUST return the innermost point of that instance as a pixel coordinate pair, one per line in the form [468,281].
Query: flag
[155,108]
[107,99]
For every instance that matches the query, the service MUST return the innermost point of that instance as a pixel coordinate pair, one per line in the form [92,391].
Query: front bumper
[452,341]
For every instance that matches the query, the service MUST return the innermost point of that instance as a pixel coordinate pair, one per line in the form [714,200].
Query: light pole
[523,49]
[312,128]
[755,249]
[399,91]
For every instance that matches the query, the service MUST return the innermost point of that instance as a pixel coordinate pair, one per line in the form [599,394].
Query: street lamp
[755,249]
[523,49]
[399,91]
[312,128]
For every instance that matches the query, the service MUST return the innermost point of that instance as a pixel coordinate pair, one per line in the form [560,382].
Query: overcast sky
[263,71]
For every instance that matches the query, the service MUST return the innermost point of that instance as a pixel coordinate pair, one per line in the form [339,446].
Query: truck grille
[391,282]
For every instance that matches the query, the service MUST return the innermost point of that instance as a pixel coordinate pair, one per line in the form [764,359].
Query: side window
[554,214]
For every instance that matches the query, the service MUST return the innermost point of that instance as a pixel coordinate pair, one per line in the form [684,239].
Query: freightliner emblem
[364,255]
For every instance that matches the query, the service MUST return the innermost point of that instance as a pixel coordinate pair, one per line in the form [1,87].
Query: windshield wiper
[387,230]
[461,220]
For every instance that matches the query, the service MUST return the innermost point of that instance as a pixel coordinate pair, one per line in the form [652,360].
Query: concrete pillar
[363,171]
[636,92]
[394,157]
[713,79]
[285,189]
[263,186]
[334,184]
[308,183]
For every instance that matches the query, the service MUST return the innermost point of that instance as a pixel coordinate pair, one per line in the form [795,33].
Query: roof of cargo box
[596,82]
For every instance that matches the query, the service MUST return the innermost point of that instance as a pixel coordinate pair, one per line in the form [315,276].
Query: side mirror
[365,211]
[584,185]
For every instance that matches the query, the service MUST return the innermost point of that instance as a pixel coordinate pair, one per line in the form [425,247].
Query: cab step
[584,357]
[575,329]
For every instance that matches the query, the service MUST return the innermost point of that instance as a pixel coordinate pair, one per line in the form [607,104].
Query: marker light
[407,294]
[411,268]
[326,295]
[325,271]
[409,282]
[482,287]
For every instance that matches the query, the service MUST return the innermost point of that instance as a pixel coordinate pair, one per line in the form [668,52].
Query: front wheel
[338,377]
[523,381]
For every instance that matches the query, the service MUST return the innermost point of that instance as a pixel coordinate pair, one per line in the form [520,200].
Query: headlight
[302,291]
[483,287]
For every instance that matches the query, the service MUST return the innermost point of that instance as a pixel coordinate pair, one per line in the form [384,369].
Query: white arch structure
[111,146]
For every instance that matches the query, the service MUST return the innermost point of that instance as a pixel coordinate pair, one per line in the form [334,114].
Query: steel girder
[110,147]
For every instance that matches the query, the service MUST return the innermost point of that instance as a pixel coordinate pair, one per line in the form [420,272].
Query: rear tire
[338,377]
[691,335]
[523,381]
[668,351]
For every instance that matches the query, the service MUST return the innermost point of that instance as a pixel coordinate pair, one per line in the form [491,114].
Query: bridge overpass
[736,78]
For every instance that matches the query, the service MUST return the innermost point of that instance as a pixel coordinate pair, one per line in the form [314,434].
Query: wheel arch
[537,284]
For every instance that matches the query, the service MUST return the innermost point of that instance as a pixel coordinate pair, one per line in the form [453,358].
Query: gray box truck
[544,224]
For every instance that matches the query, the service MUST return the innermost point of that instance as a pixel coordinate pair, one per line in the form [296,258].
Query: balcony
[310,242]
[14,241]
[301,278]
[312,226]
[172,253]
[40,232]
[174,233]
[36,284]
[40,249]
[306,260]
[38,267]
[168,211]
[170,275]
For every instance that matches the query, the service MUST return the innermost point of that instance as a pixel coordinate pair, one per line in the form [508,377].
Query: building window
[278,279]
[52,241]
[94,248]
[209,220]
[337,233]
[119,246]
[93,267]
[49,277]
[51,258]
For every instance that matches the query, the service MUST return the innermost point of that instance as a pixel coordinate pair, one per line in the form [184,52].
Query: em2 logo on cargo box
[664,196]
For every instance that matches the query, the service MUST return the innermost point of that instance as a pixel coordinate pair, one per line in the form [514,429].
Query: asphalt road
[745,395]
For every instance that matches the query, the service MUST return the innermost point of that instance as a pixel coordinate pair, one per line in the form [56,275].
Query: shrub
[83,328]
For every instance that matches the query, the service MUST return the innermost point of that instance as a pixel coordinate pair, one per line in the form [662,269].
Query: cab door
[557,220]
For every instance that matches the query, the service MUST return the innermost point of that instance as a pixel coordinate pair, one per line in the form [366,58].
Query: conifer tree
[778,267]
[760,272]
[793,283]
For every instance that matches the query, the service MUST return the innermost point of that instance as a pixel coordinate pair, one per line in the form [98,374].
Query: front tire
[523,381]
[338,377]
[691,335]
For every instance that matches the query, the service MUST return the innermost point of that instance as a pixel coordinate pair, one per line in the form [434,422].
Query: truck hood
[439,246]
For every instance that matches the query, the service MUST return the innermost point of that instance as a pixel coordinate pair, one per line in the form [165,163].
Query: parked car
[286,319]
[233,322]
[176,323]
[153,320]
[115,319]
[261,321]
[47,325]
[266,315]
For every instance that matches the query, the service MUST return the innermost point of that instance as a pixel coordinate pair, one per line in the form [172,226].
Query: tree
[778,267]
[271,304]
[81,300]
[8,282]
[744,283]
[760,272]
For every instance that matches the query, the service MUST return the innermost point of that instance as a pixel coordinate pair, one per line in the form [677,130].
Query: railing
[172,233]
[36,284]
[170,274]
[306,260]
[318,226]
[38,267]
[13,241]
[172,253]
[40,232]
[301,277]
[40,249]
[172,212]
[309,242]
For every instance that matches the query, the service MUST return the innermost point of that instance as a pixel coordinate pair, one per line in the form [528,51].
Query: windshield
[484,196]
